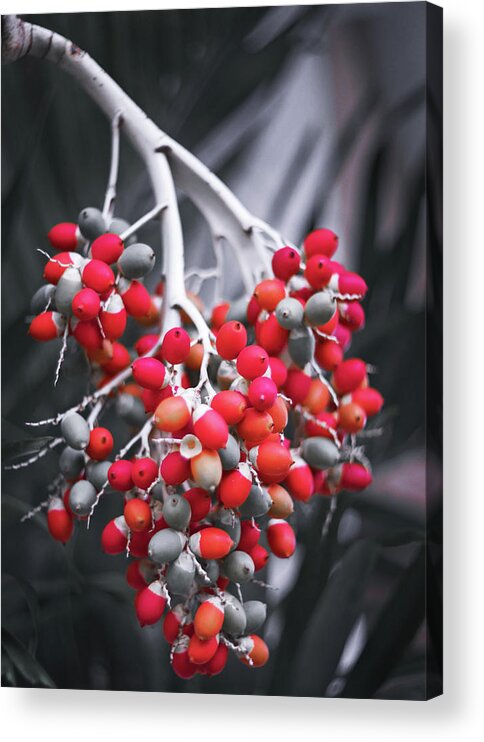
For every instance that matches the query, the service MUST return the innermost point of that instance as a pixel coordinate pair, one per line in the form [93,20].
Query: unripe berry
[278,372]
[319,309]
[200,503]
[349,375]
[282,504]
[119,475]
[64,236]
[201,651]
[290,313]
[149,373]
[82,498]
[328,354]
[252,361]
[175,346]
[300,480]
[285,263]
[209,618]
[86,304]
[320,452]
[270,335]
[71,463]
[113,317]
[211,543]
[42,299]
[269,293]
[297,385]
[234,616]
[98,276]
[137,514]
[144,471]
[118,226]
[210,427]
[229,454]
[256,649]
[206,469]
[351,417]
[136,261]
[166,545]
[91,224]
[59,522]
[238,567]
[272,460]
[68,285]
[75,431]
[97,473]
[136,298]
[255,426]
[257,503]
[100,444]
[231,405]
[181,663]
[231,339]
[130,409]
[180,574]
[150,604]
[235,486]
[47,326]
[320,242]
[172,414]
[301,346]
[260,557]
[256,613]
[176,512]
[108,248]
[281,538]
[114,537]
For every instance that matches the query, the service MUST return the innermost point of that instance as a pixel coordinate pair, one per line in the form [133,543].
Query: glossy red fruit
[86,304]
[87,334]
[354,477]
[349,375]
[146,343]
[369,399]
[249,536]
[137,514]
[281,538]
[272,460]
[270,335]
[149,373]
[55,267]
[252,361]
[119,475]
[98,276]
[253,310]
[150,603]
[231,339]
[262,393]
[114,537]
[235,486]
[173,621]
[269,293]
[47,326]
[351,417]
[219,313]
[201,651]
[200,503]
[108,248]
[100,444]
[175,346]
[343,336]
[297,386]
[260,556]
[151,399]
[181,664]
[278,371]
[352,315]
[300,480]
[59,521]
[134,575]
[218,661]
[231,405]
[209,618]
[210,427]
[317,272]
[328,355]
[321,425]
[349,284]
[175,469]
[321,242]
[172,414]
[257,651]
[279,415]
[119,360]
[64,236]
[113,318]
[255,426]
[144,471]
[211,543]
[136,298]
[285,263]
[318,397]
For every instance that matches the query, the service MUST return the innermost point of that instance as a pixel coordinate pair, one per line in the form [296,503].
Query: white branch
[110,197]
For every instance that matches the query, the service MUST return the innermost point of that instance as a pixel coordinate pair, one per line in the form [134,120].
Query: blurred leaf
[26,664]
[332,621]
[12,507]
[8,672]
[18,449]
[394,630]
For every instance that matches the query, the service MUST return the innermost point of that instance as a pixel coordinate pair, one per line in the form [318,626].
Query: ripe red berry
[272,460]
[108,248]
[219,313]
[200,503]
[175,346]
[328,354]
[354,477]
[175,469]
[210,427]
[321,242]
[281,538]
[231,405]
[348,283]
[211,543]
[172,414]
[181,663]
[150,604]
[270,335]
[56,266]
[255,426]
[86,304]
[249,536]
[260,556]
[285,263]
[297,385]
[269,293]
[119,475]
[278,371]
[279,415]
[145,343]
[231,339]
[209,618]
[252,361]
[144,471]
[352,315]
[59,521]
[100,444]
[235,486]
[114,537]
[149,373]
[201,651]
[369,399]
[113,318]
[47,326]
[218,661]
[120,359]
[64,236]
[134,575]
[262,393]
[351,417]
[136,298]
[349,375]
[98,276]
[137,514]
[257,651]
[300,480]
[318,271]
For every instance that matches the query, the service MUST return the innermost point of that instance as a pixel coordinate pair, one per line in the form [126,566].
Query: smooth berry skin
[286,263]
[100,444]
[252,361]
[108,248]
[321,242]
[86,304]
[63,236]
[262,393]
[317,272]
[119,475]
[137,514]
[149,373]
[98,276]
[175,346]
[269,293]
[144,471]
[231,339]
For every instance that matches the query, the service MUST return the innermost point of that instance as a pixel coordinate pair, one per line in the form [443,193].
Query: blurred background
[314,116]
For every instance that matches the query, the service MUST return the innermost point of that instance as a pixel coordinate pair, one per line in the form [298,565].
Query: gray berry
[319,308]
[258,503]
[166,545]
[234,616]
[319,452]
[230,455]
[136,261]
[256,613]
[41,299]
[118,226]
[130,409]
[290,313]
[68,286]
[238,566]
[97,473]
[180,574]
[177,512]
[228,522]
[71,462]
[82,497]
[301,346]
[75,431]
[91,223]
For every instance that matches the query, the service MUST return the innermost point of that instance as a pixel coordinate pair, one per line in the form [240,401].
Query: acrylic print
[222,351]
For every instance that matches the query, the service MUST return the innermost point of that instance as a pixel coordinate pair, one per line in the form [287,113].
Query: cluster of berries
[222,456]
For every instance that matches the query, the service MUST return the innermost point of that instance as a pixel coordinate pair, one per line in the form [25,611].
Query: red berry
[119,475]
[285,263]
[200,503]
[114,537]
[64,236]
[172,414]
[260,556]
[252,361]
[281,538]
[231,405]
[87,334]
[258,652]
[321,242]
[255,426]
[270,335]
[328,354]
[351,417]
[176,345]
[235,486]
[349,375]
[100,444]
[272,460]
[136,298]
[47,326]
[231,339]
[210,427]
[317,272]
[218,661]
[209,618]
[55,267]
[149,373]
[201,651]
[98,276]
[145,343]
[86,304]
[269,293]
[108,248]
[297,385]
[113,318]
[211,543]
[120,359]
[249,536]
[175,469]
[369,399]
[137,514]
[150,604]
[300,480]
[262,393]
[59,521]
[144,471]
